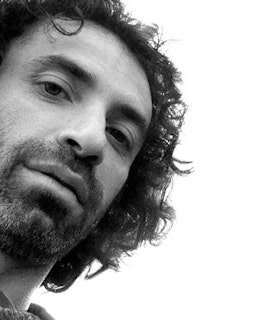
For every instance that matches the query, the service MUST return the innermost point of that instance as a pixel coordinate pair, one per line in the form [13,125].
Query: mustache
[35,149]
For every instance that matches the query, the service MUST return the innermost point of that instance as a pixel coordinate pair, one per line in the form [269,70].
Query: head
[90,115]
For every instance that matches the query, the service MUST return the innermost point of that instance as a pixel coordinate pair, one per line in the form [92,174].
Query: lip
[63,175]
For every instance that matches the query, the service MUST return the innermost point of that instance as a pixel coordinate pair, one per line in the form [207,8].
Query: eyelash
[45,84]
[112,131]
[115,133]
[125,141]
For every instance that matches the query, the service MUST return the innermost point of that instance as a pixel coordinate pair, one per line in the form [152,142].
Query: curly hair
[140,212]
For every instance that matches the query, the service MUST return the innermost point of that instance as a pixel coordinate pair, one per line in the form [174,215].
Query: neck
[18,282]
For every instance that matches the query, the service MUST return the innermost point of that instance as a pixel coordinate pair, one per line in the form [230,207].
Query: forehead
[96,50]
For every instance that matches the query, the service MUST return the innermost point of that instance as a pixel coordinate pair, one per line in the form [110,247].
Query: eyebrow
[70,67]
[64,65]
[133,116]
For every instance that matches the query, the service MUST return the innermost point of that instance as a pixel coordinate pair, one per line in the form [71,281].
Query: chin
[39,231]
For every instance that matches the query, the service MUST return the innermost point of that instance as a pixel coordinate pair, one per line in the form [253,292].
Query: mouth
[62,175]
[68,186]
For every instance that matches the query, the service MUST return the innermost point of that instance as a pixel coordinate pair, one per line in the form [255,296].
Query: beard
[36,226]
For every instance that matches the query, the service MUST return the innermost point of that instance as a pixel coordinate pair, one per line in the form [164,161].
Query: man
[90,116]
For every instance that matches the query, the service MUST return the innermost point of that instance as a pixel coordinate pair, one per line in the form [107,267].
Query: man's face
[73,115]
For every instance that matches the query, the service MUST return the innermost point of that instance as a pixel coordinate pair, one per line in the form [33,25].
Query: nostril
[94,159]
[83,144]
[73,143]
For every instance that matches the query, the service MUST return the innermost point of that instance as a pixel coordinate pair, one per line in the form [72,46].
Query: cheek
[16,127]
[21,119]
[16,119]
[11,124]
[112,178]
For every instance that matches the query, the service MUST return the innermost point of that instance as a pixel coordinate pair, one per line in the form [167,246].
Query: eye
[54,91]
[119,136]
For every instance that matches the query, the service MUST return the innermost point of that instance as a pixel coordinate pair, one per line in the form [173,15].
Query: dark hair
[140,212]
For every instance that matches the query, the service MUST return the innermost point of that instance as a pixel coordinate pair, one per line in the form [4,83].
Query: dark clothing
[9,312]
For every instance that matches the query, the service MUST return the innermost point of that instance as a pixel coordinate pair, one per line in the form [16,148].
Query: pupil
[52,88]
[118,135]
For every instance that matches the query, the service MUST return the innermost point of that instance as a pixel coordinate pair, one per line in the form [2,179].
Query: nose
[86,139]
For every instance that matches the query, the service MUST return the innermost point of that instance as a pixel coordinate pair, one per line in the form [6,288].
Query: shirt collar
[41,313]
[5,302]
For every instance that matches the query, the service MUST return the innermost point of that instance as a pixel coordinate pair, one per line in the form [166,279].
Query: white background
[221,260]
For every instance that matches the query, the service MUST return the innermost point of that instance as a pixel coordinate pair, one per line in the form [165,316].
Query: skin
[56,109]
